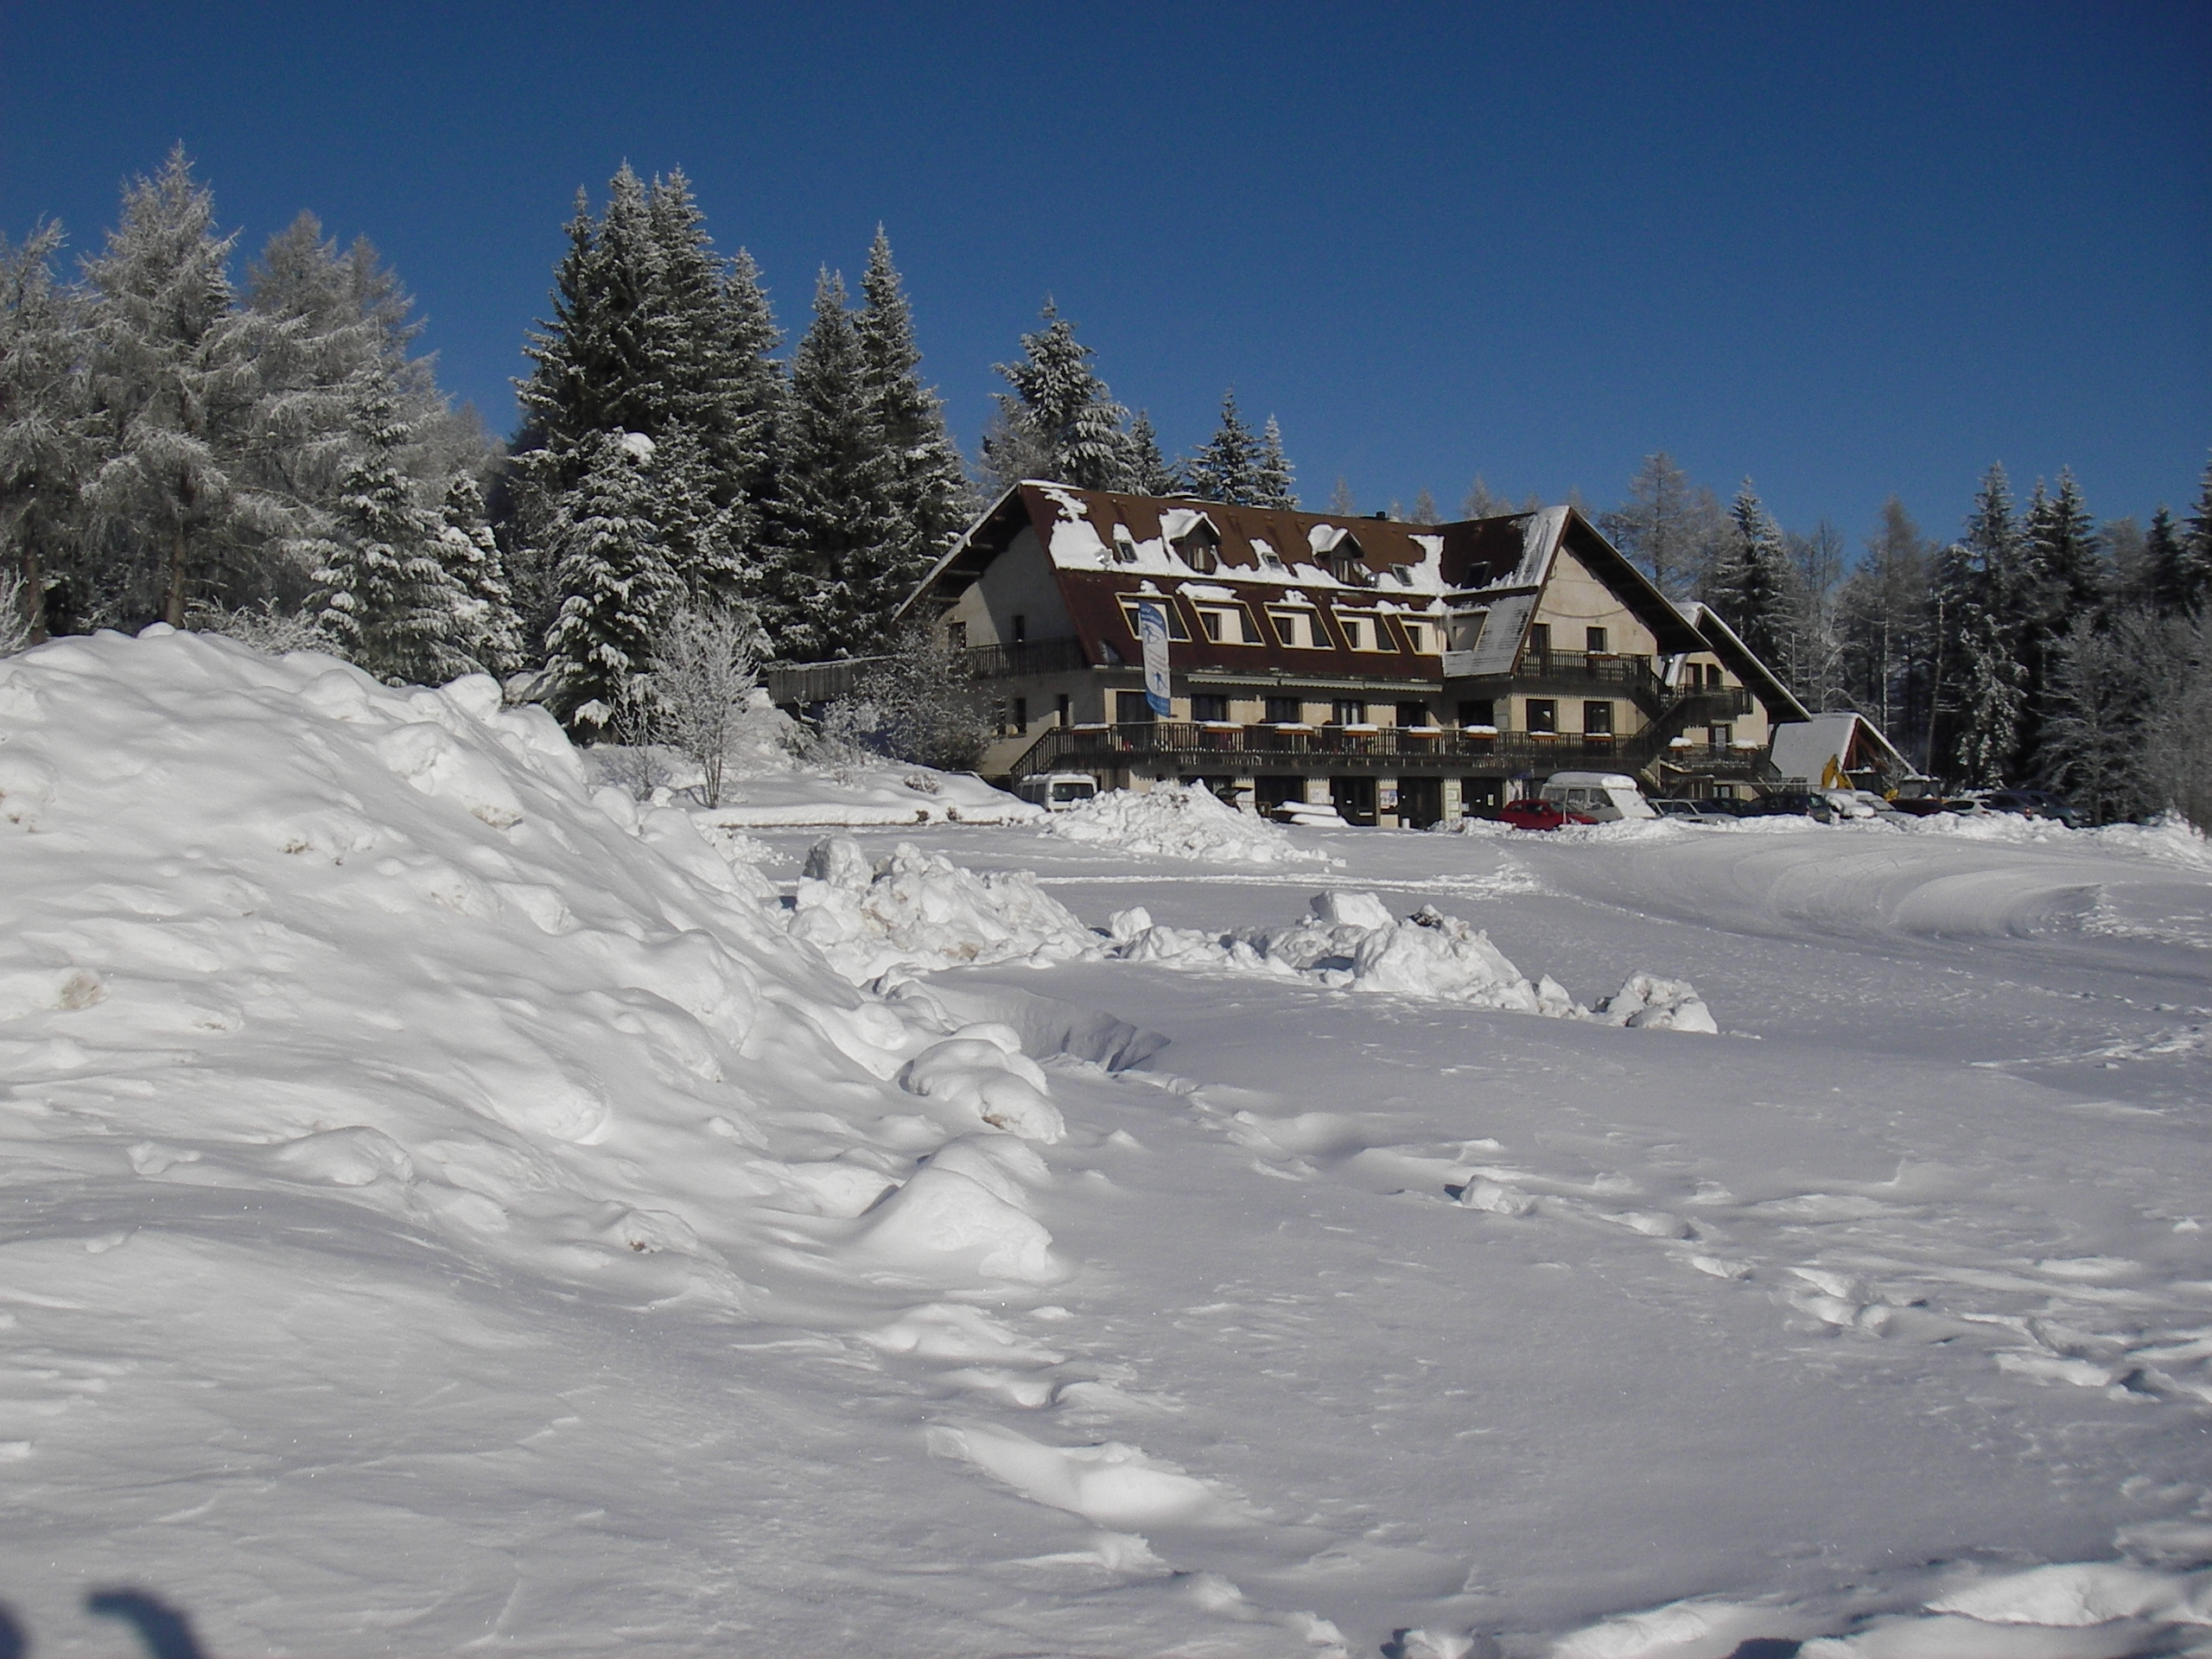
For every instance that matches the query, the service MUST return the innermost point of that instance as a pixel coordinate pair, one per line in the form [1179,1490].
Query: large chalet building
[1404,672]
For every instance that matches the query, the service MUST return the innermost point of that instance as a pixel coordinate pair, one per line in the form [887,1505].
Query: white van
[1056,792]
[1606,797]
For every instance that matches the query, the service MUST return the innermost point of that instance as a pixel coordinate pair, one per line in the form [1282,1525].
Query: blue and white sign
[1152,631]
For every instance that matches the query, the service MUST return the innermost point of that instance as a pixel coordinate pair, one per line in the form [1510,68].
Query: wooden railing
[1199,748]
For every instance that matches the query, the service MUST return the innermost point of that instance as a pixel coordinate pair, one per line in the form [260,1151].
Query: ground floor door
[1270,791]
[1481,796]
[1421,802]
[1355,799]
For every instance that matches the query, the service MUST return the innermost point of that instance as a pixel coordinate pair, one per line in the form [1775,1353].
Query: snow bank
[271,925]
[1178,821]
[916,912]
[1349,941]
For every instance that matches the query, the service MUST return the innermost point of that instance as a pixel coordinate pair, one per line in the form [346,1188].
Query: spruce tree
[618,590]
[2193,566]
[2165,580]
[2061,580]
[489,632]
[841,567]
[1227,467]
[1150,472]
[173,388]
[385,599]
[1061,423]
[930,497]
[1977,582]
[1277,483]
[1752,586]
[45,431]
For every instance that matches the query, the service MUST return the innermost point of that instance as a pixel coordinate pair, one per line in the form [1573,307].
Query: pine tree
[1150,472]
[1752,589]
[840,563]
[2163,583]
[2061,579]
[173,388]
[1277,480]
[2093,736]
[1061,423]
[619,590]
[45,432]
[385,599]
[1227,467]
[930,497]
[489,632]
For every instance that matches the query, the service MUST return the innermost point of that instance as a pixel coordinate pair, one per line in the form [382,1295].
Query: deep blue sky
[1848,250]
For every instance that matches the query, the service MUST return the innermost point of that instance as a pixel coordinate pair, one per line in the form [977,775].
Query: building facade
[1403,672]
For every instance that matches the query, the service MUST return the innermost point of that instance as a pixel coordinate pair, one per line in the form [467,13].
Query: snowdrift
[1178,821]
[270,922]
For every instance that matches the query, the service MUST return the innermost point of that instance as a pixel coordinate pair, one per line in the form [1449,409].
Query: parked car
[1605,797]
[1315,815]
[1540,814]
[1919,806]
[1056,792]
[2033,803]
[1667,808]
[1793,803]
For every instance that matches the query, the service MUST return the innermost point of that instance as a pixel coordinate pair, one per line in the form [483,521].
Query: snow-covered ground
[446,1206]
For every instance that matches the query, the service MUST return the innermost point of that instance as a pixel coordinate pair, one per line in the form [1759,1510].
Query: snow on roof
[1804,750]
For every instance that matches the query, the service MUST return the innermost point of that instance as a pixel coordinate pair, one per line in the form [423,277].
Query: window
[1364,631]
[1285,711]
[1130,708]
[1020,724]
[956,635]
[1597,719]
[1419,636]
[1198,552]
[1065,715]
[1021,627]
[1720,735]
[1208,708]
[1413,714]
[1224,625]
[1125,545]
[1177,628]
[1268,559]
[1596,638]
[1466,628]
[1543,715]
[1348,711]
[1478,711]
[1540,637]
[1296,628]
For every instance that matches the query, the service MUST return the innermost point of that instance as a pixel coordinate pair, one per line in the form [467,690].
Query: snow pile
[1178,821]
[2170,839]
[271,924]
[1349,941]
[916,912]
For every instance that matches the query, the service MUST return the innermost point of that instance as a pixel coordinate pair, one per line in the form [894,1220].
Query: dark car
[1793,803]
[1671,808]
[1919,806]
[1540,814]
[2032,803]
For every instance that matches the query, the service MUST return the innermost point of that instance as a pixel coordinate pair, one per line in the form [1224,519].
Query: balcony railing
[1199,748]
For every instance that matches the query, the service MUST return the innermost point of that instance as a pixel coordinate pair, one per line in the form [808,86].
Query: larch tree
[1671,527]
[1481,503]
[1883,627]
[173,387]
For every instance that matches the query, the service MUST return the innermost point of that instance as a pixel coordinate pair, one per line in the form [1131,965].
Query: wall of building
[1018,582]
[1574,601]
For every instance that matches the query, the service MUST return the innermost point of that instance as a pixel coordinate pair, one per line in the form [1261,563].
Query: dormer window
[1199,548]
[1125,545]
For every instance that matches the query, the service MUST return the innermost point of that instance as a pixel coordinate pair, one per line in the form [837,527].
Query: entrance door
[1421,802]
[1270,791]
[1355,799]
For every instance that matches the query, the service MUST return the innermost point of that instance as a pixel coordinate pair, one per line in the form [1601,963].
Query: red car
[1540,814]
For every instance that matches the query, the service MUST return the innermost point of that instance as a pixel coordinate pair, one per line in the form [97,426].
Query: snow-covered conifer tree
[2193,564]
[1981,651]
[1425,510]
[1671,527]
[173,388]
[1150,472]
[840,568]
[385,597]
[1276,480]
[1227,467]
[617,585]
[1752,587]
[1061,423]
[45,434]
[489,633]
[930,497]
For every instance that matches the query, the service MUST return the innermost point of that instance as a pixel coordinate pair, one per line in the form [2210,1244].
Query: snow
[1177,821]
[451,1203]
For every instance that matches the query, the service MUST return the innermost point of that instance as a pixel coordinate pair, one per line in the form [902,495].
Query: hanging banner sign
[1152,631]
